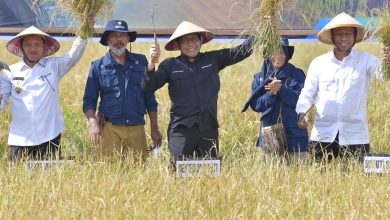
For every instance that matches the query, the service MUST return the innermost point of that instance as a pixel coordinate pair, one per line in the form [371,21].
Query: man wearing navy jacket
[116,79]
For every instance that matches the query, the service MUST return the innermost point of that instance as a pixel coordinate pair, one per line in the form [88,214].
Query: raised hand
[303,121]
[154,55]
[386,53]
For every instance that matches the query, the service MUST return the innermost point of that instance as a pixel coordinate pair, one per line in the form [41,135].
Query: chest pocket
[136,74]
[356,75]
[179,75]
[209,72]
[326,82]
[108,78]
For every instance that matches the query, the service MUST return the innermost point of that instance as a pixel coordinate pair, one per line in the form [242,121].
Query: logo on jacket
[203,67]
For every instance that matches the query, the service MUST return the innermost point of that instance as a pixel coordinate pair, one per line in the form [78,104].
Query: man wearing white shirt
[33,84]
[338,83]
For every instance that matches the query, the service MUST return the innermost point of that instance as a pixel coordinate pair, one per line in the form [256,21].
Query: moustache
[119,44]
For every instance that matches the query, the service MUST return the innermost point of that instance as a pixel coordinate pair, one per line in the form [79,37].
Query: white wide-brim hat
[185,28]
[341,20]
[14,45]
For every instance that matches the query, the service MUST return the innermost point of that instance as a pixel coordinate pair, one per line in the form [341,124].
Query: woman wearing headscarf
[275,91]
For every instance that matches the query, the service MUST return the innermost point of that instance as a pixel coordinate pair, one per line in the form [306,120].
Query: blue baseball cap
[117,26]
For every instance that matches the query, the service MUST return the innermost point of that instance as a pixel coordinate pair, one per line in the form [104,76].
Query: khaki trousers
[120,140]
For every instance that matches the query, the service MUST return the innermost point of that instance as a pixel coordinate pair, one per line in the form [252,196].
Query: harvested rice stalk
[262,24]
[85,9]
[383,32]
[379,26]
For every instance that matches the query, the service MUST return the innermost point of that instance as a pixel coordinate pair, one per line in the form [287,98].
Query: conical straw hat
[15,47]
[185,28]
[341,20]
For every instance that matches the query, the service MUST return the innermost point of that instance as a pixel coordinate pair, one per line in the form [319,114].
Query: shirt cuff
[88,107]
[80,41]
[301,109]
[152,108]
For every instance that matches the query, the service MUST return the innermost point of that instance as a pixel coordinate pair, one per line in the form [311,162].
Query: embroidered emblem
[178,71]
[206,66]
[119,26]
[18,89]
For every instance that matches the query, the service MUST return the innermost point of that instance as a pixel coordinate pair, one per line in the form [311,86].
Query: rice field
[248,188]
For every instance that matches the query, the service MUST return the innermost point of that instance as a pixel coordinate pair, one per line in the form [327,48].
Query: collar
[283,72]
[21,66]
[184,58]
[43,61]
[353,54]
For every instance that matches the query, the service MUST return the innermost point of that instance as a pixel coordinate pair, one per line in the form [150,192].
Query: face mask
[117,52]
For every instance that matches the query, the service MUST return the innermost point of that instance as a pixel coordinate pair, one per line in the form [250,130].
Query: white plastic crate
[376,163]
[197,167]
[44,164]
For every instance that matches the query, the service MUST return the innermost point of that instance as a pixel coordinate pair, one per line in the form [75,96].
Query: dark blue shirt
[122,100]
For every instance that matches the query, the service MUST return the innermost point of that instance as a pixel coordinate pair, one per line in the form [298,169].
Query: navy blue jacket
[122,100]
[269,105]
[194,86]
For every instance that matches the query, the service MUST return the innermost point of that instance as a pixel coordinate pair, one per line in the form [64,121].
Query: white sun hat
[14,45]
[185,28]
[341,20]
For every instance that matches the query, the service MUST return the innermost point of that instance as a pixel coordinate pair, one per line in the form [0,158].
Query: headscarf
[268,70]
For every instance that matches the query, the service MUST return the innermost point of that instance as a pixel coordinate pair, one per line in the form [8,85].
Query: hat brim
[14,45]
[103,38]
[173,45]
[325,35]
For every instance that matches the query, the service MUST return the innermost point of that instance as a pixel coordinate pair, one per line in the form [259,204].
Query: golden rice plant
[85,9]
[263,25]
[381,25]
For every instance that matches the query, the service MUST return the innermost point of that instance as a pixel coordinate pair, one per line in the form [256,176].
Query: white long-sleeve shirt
[339,90]
[36,112]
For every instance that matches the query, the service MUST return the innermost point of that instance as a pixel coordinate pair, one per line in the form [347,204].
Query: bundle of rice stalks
[262,24]
[85,9]
[384,35]
[382,30]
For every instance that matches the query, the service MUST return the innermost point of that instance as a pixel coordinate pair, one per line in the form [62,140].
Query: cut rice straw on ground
[85,9]
[262,24]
